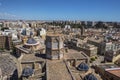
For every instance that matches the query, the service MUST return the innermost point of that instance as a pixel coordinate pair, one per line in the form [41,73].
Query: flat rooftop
[57,70]
[74,54]
[54,34]
[32,58]
[25,50]
[108,66]
[22,48]
[96,40]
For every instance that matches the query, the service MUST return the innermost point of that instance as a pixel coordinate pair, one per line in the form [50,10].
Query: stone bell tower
[82,30]
[54,46]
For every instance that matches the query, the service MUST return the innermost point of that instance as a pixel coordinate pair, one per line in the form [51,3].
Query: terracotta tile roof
[115,72]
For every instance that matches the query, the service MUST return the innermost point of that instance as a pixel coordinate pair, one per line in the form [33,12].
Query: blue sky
[96,10]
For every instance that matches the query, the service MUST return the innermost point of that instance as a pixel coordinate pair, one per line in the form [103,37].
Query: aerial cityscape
[59,40]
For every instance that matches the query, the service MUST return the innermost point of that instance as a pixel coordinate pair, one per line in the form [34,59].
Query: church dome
[27,72]
[31,41]
[90,77]
[83,67]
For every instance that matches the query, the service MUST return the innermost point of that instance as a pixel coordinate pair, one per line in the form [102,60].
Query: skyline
[93,10]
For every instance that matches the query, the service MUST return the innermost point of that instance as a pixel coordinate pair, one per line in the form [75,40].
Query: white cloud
[9,16]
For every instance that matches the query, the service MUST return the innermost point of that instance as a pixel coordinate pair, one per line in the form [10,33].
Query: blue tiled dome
[90,77]
[31,41]
[23,32]
[31,33]
[27,72]
[83,67]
